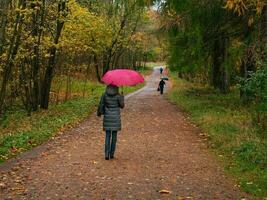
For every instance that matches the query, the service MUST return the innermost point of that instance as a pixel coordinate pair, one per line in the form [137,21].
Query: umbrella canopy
[165,78]
[122,77]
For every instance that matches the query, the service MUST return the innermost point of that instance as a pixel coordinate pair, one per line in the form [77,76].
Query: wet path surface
[158,149]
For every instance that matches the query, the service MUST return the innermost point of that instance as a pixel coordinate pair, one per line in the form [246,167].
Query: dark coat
[161,84]
[113,102]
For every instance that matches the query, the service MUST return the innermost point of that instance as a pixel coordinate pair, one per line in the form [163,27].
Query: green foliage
[205,39]
[253,152]
[254,90]
[197,38]
[40,40]
[255,87]
[230,131]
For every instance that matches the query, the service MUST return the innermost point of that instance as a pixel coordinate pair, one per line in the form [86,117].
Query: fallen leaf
[44,154]
[18,181]
[13,149]
[164,191]
[2,186]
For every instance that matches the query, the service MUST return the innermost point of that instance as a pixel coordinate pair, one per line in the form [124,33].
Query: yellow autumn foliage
[241,6]
[84,31]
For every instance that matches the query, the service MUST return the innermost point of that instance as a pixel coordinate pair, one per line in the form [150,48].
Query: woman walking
[110,104]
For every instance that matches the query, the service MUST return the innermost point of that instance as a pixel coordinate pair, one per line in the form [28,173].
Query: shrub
[254,89]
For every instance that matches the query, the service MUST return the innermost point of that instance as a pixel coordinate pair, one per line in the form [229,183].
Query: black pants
[161,90]
[110,146]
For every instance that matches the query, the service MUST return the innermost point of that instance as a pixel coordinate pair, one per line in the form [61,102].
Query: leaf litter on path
[156,144]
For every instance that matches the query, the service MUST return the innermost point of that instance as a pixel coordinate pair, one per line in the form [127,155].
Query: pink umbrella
[123,77]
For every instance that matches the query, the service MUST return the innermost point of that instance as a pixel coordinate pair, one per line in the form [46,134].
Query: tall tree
[62,12]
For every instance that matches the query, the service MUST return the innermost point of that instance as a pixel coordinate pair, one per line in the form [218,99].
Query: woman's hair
[113,88]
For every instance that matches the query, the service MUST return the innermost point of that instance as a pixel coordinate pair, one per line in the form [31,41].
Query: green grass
[19,132]
[145,71]
[231,133]
[78,88]
[127,90]
[155,64]
[23,132]
[149,66]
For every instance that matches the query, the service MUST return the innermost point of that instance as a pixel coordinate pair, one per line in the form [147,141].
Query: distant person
[161,86]
[110,104]
[166,71]
[161,70]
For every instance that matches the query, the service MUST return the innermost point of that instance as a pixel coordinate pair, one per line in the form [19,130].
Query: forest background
[54,53]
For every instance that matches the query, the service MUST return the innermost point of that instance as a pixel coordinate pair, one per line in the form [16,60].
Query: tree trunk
[37,32]
[248,62]
[134,61]
[27,101]
[84,86]
[220,77]
[114,62]
[264,34]
[58,92]
[145,60]
[106,64]
[224,83]
[68,85]
[46,85]
[118,57]
[264,26]
[3,17]
[11,54]
[97,68]
[216,65]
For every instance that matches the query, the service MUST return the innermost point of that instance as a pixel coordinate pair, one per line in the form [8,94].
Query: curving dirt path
[158,149]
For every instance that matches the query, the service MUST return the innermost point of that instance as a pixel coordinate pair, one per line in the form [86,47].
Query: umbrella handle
[122,90]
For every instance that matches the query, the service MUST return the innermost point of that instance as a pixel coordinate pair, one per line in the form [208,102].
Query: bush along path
[160,155]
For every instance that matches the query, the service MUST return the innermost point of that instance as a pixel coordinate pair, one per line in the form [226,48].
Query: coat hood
[112,90]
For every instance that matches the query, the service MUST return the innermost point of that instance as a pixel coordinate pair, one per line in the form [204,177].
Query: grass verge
[20,132]
[230,131]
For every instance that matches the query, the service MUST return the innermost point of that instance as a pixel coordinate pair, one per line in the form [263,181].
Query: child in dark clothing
[161,86]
